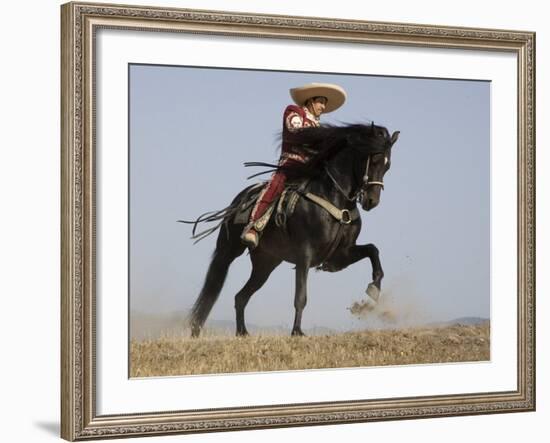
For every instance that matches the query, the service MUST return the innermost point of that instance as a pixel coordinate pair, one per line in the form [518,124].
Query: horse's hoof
[373,292]
[297,333]
[242,333]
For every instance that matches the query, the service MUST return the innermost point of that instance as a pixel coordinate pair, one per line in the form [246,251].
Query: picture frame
[81,22]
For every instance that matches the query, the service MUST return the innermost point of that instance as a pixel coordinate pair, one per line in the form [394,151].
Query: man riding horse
[311,100]
[344,167]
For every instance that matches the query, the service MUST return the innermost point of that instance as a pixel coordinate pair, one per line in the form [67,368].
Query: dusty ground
[226,354]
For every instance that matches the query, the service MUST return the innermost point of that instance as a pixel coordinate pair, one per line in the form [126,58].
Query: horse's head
[373,146]
[366,149]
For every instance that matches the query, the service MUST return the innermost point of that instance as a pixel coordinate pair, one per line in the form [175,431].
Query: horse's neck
[341,169]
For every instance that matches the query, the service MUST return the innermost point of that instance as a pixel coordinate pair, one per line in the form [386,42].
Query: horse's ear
[394,137]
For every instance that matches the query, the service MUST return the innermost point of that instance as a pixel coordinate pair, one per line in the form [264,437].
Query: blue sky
[192,128]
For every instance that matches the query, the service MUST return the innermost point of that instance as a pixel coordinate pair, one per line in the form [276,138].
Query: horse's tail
[228,248]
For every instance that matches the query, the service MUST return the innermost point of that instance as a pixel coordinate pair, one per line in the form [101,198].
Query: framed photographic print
[283,221]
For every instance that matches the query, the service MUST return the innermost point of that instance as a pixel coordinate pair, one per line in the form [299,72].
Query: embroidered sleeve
[293,121]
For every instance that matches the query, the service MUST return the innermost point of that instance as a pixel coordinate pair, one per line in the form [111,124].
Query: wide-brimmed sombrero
[335,95]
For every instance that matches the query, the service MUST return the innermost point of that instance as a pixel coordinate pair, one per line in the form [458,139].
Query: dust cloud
[395,309]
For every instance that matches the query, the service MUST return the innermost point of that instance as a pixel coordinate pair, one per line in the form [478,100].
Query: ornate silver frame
[80,21]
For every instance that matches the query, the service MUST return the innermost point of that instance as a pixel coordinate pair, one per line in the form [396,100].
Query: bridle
[360,193]
[366,182]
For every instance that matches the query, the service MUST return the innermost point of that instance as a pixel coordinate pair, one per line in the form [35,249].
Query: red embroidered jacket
[294,119]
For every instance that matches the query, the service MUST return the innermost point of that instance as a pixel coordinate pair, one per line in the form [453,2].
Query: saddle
[283,206]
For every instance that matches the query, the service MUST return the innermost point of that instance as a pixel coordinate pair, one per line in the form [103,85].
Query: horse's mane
[322,143]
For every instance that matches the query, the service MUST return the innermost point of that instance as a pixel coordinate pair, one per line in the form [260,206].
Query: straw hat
[335,95]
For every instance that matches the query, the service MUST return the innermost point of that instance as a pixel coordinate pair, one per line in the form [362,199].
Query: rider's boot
[250,237]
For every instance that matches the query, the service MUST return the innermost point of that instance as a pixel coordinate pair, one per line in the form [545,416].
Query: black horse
[348,167]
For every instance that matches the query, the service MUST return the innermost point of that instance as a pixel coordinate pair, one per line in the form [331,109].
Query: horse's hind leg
[228,248]
[262,267]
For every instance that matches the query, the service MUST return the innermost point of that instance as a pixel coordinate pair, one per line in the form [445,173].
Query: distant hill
[463,321]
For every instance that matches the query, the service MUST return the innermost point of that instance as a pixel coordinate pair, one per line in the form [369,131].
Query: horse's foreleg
[352,255]
[374,256]
[262,267]
[300,298]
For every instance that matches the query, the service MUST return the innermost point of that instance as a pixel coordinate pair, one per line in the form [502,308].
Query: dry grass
[226,354]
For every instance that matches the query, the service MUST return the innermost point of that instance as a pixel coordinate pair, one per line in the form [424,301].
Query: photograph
[329,220]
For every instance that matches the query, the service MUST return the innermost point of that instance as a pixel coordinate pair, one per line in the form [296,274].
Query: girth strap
[344,216]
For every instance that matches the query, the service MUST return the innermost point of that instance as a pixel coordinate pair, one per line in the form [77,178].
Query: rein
[337,185]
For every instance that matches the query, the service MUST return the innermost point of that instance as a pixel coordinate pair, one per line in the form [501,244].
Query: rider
[311,100]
